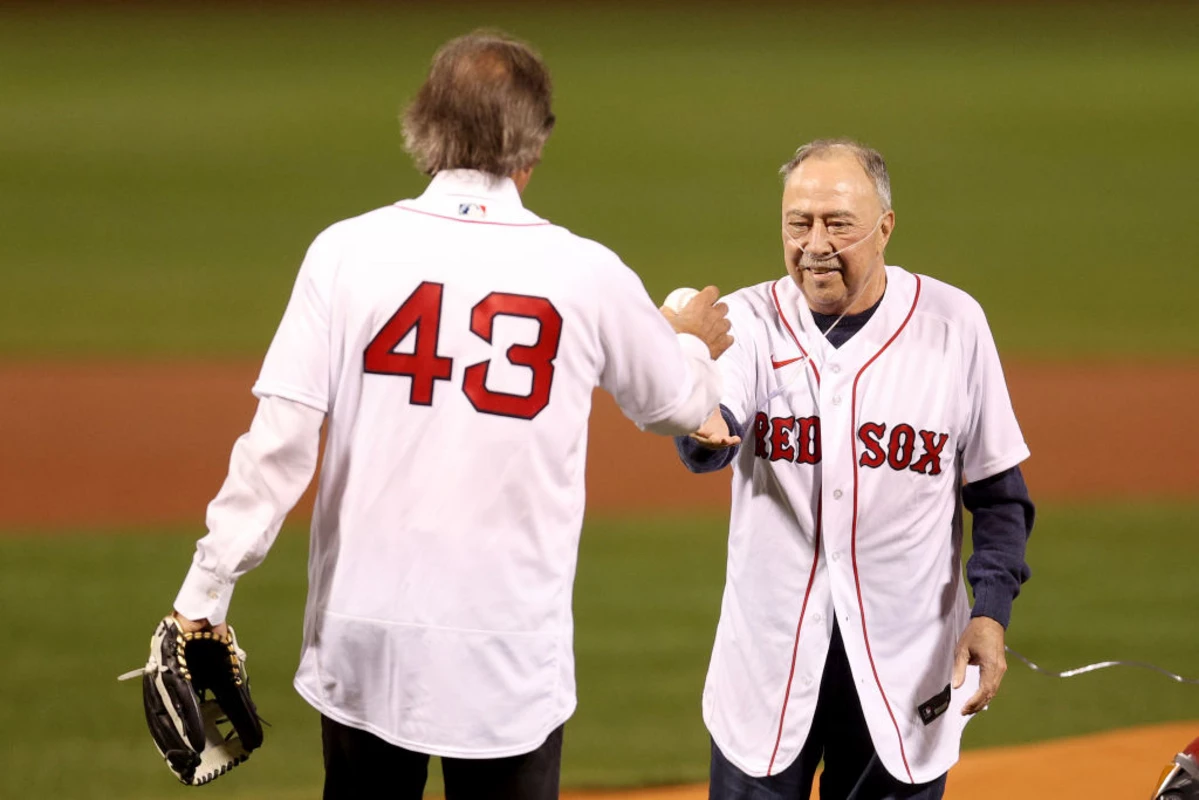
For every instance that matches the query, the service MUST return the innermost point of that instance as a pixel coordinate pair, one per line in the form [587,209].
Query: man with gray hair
[450,345]
[857,398]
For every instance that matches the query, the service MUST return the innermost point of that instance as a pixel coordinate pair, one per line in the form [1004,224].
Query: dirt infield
[112,444]
[1117,764]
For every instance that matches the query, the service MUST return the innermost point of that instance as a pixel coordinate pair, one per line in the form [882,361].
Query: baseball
[677,299]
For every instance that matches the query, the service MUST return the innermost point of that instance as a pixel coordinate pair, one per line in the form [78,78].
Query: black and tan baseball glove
[197,700]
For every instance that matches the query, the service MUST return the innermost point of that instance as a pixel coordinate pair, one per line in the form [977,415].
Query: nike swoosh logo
[781,364]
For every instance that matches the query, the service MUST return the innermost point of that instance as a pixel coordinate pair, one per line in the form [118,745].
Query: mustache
[830,261]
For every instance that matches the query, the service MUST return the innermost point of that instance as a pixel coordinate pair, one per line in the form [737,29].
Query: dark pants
[360,766]
[839,736]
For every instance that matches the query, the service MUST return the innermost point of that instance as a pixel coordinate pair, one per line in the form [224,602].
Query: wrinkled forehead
[834,182]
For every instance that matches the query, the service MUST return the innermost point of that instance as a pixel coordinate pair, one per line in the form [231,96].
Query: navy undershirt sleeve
[698,458]
[1003,517]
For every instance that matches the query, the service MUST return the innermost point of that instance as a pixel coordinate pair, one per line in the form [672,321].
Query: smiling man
[836,224]
[865,395]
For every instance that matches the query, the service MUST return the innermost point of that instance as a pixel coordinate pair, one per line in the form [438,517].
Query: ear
[884,228]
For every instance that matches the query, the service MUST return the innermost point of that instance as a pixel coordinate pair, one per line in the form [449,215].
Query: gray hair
[484,106]
[870,159]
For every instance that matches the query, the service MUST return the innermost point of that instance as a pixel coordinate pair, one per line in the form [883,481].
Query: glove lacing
[152,666]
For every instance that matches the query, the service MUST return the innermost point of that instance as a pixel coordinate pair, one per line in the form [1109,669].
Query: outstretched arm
[703,332]
[658,365]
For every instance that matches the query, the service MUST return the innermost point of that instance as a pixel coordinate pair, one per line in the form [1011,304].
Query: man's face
[830,205]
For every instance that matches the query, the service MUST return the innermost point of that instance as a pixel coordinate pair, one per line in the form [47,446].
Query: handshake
[698,313]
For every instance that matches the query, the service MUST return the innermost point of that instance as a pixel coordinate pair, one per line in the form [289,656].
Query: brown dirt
[1116,764]
[116,444]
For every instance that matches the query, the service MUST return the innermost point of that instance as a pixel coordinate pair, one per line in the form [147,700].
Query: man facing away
[864,394]
[450,345]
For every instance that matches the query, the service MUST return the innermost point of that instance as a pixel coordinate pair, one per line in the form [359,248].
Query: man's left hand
[715,434]
[981,644]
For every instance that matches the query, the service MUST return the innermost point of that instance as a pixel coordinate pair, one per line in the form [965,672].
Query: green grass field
[80,609]
[164,170]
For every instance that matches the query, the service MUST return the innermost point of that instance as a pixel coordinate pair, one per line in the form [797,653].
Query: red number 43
[422,311]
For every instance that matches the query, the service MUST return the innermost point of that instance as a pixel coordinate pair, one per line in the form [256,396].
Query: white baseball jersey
[845,502]
[454,342]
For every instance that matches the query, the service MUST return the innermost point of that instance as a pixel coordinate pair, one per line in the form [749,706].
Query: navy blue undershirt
[844,330]
[1000,506]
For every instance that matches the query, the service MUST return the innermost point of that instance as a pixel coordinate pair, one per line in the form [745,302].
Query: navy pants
[361,766]
[839,736]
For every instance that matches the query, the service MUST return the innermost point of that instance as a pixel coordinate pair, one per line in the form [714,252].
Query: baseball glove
[194,686]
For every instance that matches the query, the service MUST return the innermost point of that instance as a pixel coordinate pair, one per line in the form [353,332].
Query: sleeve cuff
[697,458]
[204,596]
[992,603]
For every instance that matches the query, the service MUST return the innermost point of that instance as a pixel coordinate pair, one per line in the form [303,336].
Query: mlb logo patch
[472,210]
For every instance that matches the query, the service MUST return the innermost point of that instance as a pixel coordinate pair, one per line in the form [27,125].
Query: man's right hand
[705,318]
[715,434]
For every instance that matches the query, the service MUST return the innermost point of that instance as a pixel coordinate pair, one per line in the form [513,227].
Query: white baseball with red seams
[845,503]
[677,300]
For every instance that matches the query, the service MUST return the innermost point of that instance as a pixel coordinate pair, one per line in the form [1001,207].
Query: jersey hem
[417,747]
[935,770]
[740,763]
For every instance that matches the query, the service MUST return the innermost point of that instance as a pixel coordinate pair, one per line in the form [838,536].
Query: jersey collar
[471,196]
[891,312]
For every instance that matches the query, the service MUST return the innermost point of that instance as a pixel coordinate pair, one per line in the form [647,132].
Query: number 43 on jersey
[422,311]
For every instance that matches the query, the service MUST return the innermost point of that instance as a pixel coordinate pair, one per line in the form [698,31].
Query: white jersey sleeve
[665,383]
[270,467]
[991,441]
[297,364]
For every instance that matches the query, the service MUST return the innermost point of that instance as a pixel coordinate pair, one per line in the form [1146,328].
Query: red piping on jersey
[798,627]
[471,221]
[853,438]
[774,290]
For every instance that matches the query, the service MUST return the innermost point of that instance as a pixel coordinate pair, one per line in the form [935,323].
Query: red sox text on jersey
[797,439]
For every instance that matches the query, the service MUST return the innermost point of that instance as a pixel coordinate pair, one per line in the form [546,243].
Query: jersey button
[837,556]
[836,494]
[816,618]
[835,368]
[836,399]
